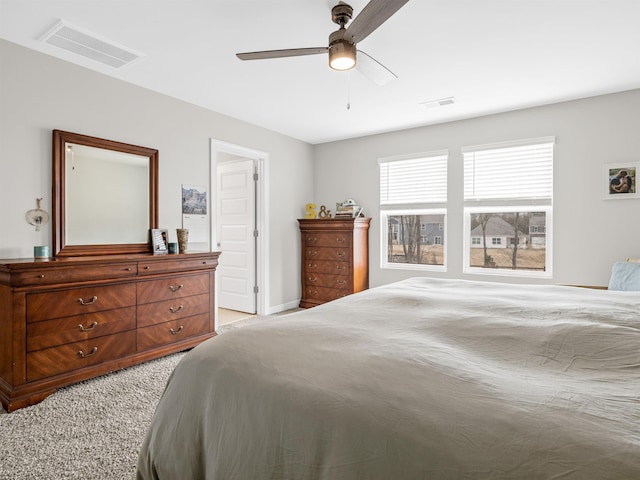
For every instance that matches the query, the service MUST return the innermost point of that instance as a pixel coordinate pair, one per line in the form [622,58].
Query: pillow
[625,276]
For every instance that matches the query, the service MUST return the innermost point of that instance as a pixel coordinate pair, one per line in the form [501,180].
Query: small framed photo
[159,241]
[619,180]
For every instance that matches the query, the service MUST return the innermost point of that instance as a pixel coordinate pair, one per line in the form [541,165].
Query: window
[508,191]
[413,198]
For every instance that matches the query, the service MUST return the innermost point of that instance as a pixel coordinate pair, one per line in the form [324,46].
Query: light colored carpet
[93,429]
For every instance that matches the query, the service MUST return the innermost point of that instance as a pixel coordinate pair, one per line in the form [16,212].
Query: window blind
[521,171]
[413,181]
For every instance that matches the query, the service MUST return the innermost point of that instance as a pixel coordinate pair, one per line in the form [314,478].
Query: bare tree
[410,229]
[483,219]
[516,240]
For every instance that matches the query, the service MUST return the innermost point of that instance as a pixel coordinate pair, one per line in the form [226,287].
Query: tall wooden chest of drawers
[335,258]
[69,319]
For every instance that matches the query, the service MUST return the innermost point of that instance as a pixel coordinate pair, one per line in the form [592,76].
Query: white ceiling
[491,55]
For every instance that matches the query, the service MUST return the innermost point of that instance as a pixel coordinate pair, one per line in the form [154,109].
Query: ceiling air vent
[89,45]
[441,102]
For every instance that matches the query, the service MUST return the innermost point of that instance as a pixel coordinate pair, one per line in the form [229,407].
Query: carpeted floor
[91,430]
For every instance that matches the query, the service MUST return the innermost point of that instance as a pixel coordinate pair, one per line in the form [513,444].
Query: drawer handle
[341,283]
[340,268]
[312,239]
[340,254]
[90,302]
[340,240]
[313,265]
[128,269]
[41,275]
[175,289]
[313,279]
[81,354]
[313,292]
[176,310]
[146,268]
[312,253]
[175,332]
[82,328]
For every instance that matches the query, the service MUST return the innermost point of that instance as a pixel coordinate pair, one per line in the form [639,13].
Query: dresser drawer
[324,294]
[73,356]
[327,239]
[51,333]
[327,253]
[336,268]
[173,331]
[78,301]
[173,287]
[67,274]
[176,264]
[327,280]
[159,312]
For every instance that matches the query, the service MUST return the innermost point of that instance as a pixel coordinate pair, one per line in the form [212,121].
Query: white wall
[39,93]
[589,233]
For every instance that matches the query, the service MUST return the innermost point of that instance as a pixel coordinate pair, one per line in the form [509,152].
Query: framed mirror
[105,196]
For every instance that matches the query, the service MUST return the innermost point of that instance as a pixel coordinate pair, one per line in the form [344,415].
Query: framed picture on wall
[159,241]
[620,179]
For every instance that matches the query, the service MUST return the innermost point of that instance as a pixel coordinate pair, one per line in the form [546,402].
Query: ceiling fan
[342,43]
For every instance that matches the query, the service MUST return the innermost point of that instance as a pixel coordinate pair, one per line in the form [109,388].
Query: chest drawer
[176,264]
[50,333]
[335,268]
[73,356]
[325,294]
[327,253]
[173,287]
[159,312]
[78,301]
[172,332]
[47,276]
[327,239]
[327,280]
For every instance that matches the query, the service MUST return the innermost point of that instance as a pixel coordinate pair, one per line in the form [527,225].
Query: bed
[420,379]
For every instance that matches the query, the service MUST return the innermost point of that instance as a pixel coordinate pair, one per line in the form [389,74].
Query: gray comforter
[421,379]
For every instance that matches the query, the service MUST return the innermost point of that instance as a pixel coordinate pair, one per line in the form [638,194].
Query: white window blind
[517,171]
[413,181]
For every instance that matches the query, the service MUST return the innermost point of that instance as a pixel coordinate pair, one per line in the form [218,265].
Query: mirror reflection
[107,196]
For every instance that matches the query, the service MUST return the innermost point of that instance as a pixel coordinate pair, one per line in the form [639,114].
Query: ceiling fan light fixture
[342,55]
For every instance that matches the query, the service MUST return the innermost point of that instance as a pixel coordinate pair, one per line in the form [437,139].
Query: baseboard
[282,307]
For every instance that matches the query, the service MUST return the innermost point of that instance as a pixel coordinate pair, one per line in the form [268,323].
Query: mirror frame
[60,248]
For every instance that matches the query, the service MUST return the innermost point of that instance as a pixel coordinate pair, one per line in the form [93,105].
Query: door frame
[261,160]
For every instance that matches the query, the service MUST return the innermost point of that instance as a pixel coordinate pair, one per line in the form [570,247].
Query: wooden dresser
[335,258]
[69,319]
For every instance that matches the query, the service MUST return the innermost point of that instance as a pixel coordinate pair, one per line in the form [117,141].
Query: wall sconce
[37,216]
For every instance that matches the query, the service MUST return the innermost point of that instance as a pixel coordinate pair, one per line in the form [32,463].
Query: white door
[236,210]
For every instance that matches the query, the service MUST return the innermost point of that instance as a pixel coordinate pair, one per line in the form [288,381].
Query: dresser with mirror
[103,301]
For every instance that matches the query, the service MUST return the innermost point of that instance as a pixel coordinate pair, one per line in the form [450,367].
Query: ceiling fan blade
[374,14]
[290,52]
[373,69]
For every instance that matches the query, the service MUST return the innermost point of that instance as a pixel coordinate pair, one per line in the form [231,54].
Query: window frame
[536,202]
[433,207]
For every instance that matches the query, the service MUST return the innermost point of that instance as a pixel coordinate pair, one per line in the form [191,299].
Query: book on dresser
[335,258]
[72,318]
